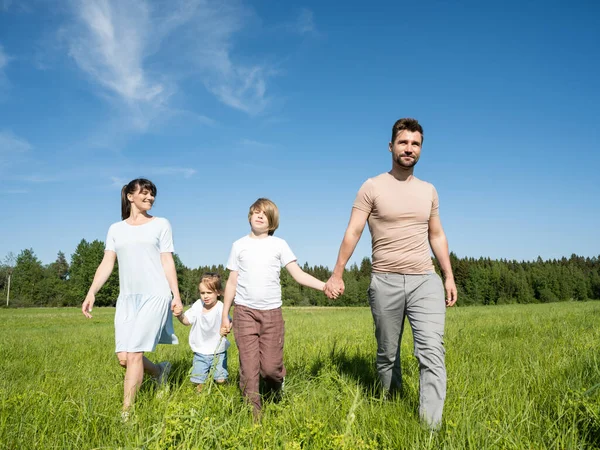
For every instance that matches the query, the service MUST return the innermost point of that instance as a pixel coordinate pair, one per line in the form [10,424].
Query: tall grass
[523,376]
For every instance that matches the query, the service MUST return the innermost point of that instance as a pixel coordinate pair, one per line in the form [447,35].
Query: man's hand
[451,294]
[334,287]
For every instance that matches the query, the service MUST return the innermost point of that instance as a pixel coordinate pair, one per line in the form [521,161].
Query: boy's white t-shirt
[258,263]
[206,327]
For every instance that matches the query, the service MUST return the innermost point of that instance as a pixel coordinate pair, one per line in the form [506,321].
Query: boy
[255,263]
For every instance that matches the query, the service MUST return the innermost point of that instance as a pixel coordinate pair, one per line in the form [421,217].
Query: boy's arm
[228,297]
[304,278]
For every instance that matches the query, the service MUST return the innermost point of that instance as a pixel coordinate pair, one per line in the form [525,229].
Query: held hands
[88,304]
[334,287]
[225,327]
[451,293]
[177,306]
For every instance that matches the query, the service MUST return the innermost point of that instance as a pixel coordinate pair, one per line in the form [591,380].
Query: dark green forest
[481,281]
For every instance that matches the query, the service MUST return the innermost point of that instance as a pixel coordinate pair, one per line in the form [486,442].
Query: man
[403,217]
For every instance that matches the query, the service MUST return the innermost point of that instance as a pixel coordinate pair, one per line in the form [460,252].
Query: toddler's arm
[181,317]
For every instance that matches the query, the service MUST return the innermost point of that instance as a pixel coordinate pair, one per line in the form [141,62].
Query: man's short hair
[406,124]
[271,211]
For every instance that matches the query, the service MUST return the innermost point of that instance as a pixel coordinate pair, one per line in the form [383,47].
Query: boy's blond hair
[271,211]
[212,281]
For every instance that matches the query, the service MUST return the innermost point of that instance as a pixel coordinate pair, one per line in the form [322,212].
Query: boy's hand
[225,327]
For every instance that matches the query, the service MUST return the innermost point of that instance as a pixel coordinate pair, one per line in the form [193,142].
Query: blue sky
[222,102]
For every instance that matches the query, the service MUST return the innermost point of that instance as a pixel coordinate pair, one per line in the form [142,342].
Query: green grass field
[524,376]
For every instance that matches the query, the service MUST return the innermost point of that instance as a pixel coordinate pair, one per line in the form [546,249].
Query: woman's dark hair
[131,188]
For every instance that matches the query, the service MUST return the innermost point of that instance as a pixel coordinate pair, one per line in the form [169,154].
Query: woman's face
[142,198]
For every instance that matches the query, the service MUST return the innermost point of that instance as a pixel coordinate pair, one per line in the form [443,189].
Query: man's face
[406,148]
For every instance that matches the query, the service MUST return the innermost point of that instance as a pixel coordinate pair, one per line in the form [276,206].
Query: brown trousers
[259,338]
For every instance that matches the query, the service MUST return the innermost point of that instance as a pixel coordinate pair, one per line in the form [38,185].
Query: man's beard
[407,164]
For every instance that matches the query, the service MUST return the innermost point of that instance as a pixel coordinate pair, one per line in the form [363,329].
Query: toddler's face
[207,295]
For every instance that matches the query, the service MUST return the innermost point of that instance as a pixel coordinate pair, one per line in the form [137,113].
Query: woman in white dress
[148,289]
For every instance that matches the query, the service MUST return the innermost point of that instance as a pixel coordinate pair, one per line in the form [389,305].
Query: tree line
[482,281]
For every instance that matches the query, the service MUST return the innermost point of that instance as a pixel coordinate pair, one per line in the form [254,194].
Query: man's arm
[228,297]
[439,245]
[356,225]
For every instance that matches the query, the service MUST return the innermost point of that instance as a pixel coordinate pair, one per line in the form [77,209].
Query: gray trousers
[421,298]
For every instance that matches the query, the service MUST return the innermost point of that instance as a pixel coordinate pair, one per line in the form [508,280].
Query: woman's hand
[88,304]
[176,306]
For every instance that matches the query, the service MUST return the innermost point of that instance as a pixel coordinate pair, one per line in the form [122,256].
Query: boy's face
[259,222]
[208,296]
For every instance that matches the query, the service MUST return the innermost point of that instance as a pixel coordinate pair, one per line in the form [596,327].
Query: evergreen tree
[84,262]
[28,280]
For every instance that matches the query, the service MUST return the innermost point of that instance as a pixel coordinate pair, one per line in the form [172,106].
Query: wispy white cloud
[14,151]
[11,144]
[3,58]
[179,171]
[118,182]
[40,179]
[305,24]
[109,41]
[253,143]
[21,6]
[116,44]
[14,191]
[110,46]
[242,86]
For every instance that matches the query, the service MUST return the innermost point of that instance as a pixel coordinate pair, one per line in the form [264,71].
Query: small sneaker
[278,393]
[165,368]
[124,416]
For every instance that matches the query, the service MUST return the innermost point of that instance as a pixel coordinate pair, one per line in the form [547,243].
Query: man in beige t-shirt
[402,212]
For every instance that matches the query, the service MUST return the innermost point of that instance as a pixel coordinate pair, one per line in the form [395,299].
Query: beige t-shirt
[399,213]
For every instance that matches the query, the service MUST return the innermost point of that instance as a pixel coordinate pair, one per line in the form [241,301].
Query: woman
[148,289]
